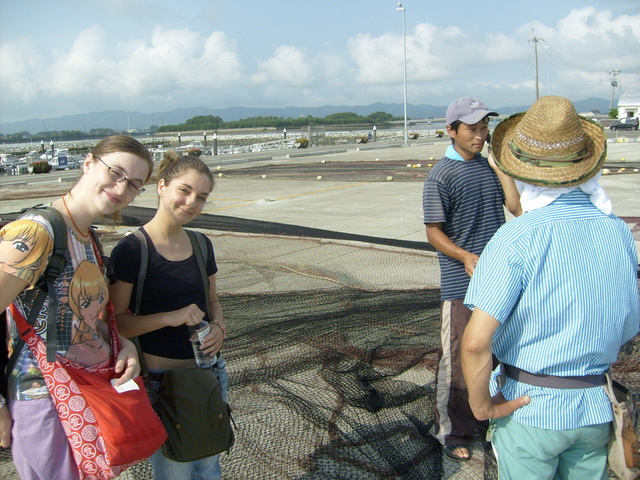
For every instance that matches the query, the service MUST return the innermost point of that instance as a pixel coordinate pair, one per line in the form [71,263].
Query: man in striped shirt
[554,295]
[463,201]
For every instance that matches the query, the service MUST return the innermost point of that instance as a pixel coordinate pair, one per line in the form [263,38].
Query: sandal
[450,449]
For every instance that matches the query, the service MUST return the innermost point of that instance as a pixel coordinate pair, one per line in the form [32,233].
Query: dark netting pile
[331,355]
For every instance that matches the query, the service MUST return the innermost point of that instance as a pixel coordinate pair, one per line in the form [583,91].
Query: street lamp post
[404,37]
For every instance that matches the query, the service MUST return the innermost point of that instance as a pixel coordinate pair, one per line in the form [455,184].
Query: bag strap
[199,240]
[616,392]
[54,268]
[199,246]
[142,273]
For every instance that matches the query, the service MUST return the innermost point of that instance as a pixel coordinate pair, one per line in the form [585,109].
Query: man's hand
[476,367]
[492,161]
[498,407]
[442,243]
[511,194]
[470,262]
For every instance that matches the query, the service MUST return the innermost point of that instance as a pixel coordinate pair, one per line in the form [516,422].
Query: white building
[629,103]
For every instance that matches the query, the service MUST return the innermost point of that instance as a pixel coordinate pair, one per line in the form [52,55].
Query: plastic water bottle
[197,334]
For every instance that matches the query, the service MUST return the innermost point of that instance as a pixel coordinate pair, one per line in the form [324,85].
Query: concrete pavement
[383,208]
[389,209]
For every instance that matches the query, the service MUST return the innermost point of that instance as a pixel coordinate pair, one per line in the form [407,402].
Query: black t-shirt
[168,286]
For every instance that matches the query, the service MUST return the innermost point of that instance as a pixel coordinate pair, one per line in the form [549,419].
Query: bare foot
[458,453]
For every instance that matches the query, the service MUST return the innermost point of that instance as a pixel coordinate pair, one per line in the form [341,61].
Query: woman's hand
[127,361]
[6,422]
[189,315]
[213,342]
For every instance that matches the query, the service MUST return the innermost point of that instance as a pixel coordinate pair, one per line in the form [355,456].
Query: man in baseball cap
[463,202]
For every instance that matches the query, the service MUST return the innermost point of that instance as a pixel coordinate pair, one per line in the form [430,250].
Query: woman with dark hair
[173,295]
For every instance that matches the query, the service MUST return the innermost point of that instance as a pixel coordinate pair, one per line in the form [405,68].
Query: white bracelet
[3,402]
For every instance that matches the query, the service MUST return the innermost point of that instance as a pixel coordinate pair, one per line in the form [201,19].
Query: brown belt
[552,381]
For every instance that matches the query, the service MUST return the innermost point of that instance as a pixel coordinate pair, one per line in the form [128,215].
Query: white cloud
[289,66]
[74,73]
[21,64]
[171,67]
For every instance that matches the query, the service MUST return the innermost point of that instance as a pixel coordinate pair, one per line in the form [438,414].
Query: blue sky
[79,56]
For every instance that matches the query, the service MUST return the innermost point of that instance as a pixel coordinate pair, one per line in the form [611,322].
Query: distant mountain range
[123,120]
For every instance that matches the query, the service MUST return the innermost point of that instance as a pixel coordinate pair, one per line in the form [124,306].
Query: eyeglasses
[118,176]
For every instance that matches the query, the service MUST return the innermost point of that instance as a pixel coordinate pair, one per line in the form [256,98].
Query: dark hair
[174,165]
[125,144]
[454,126]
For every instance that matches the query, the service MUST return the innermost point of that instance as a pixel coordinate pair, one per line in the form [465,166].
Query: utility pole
[535,41]
[614,83]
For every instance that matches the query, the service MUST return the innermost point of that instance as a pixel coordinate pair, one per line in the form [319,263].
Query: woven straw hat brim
[566,176]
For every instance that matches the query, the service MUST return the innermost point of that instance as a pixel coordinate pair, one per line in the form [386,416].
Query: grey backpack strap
[142,273]
[56,265]
[199,246]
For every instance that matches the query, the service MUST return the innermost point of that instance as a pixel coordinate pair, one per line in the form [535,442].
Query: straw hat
[550,145]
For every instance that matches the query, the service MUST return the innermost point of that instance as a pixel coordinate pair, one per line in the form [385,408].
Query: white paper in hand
[126,386]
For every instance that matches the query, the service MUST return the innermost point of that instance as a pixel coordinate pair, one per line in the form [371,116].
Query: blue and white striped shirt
[561,280]
[467,198]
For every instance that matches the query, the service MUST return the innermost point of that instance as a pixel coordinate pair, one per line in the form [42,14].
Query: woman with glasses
[173,295]
[113,174]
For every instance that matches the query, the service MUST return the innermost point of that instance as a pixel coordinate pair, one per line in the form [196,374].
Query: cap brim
[476,116]
[565,176]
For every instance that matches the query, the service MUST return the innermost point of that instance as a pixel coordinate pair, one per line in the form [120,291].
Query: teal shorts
[525,452]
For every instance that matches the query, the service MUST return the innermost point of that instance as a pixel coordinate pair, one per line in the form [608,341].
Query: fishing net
[331,355]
